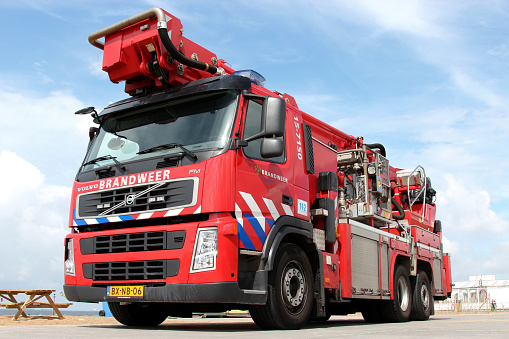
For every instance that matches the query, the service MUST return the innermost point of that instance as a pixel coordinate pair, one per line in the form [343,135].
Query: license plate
[124,291]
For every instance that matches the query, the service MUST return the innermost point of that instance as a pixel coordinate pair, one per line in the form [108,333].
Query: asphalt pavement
[492,325]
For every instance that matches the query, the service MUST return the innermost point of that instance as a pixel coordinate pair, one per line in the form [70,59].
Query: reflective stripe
[172,213]
[255,210]
[272,208]
[243,237]
[288,210]
[260,232]
[144,216]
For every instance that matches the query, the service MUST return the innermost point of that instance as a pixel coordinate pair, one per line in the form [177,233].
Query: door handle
[287,200]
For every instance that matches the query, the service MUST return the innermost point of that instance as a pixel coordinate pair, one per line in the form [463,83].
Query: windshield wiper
[107,157]
[169,146]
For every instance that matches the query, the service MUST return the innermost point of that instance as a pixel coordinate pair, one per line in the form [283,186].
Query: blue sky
[428,79]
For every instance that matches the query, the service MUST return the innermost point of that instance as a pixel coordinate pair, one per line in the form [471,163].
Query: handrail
[423,189]
[149,13]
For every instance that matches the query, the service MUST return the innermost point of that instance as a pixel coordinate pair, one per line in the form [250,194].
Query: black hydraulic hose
[377,146]
[401,212]
[175,53]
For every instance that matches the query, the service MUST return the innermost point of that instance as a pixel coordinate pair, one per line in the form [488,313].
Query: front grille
[133,242]
[131,270]
[152,241]
[134,270]
[137,199]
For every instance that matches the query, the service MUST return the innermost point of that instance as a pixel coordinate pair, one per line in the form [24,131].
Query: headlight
[205,250]
[69,258]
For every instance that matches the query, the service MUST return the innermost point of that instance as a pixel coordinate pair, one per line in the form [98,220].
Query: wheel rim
[403,289]
[293,282]
[425,296]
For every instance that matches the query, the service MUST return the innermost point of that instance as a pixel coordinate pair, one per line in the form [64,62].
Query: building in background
[479,293]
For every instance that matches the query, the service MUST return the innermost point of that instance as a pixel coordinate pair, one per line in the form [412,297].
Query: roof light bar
[255,77]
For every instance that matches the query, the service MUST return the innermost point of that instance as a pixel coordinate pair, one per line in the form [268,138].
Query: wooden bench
[35,305]
[31,302]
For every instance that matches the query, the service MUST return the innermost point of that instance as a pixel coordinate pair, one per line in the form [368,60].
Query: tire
[136,314]
[398,309]
[421,297]
[290,300]
[371,312]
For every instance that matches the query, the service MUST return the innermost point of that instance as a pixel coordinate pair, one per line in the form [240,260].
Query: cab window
[252,126]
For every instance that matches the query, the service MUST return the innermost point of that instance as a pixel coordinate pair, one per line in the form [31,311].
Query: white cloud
[475,89]
[33,224]
[53,110]
[95,68]
[412,17]
[451,247]
[498,262]
[473,231]
[318,105]
[42,75]
[501,51]
[42,128]
[466,208]
[428,29]
[17,177]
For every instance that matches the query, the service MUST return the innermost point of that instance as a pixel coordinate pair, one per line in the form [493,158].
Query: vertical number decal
[299,139]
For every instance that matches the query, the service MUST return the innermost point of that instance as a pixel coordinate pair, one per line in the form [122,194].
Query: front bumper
[223,292]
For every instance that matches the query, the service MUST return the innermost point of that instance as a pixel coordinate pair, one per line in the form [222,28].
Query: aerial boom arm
[149,52]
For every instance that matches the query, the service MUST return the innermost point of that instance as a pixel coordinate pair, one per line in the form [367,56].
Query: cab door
[264,187]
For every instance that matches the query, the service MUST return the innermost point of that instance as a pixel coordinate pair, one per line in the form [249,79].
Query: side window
[252,126]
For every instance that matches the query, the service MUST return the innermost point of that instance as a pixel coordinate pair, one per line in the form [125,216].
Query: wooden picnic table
[31,302]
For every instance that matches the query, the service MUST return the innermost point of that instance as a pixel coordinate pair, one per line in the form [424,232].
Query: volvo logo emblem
[129,199]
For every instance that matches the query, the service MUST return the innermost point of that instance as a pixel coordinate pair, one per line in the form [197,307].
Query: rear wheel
[398,309]
[290,299]
[422,299]
[137,314]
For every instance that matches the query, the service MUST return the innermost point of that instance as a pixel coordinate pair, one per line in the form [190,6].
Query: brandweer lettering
[134,179]
[275,176]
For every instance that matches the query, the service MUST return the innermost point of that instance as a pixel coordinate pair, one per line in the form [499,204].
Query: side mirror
[273,117]
[89,110]
[271,147]
[85,111]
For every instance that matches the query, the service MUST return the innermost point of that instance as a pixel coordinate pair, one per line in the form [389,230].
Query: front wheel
[422,300]
[290,299]
[137,314]
[398,309]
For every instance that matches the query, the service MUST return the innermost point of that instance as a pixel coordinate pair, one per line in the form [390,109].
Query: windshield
[196,123]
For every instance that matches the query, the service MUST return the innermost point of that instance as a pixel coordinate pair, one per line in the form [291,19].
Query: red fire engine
[204,191]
